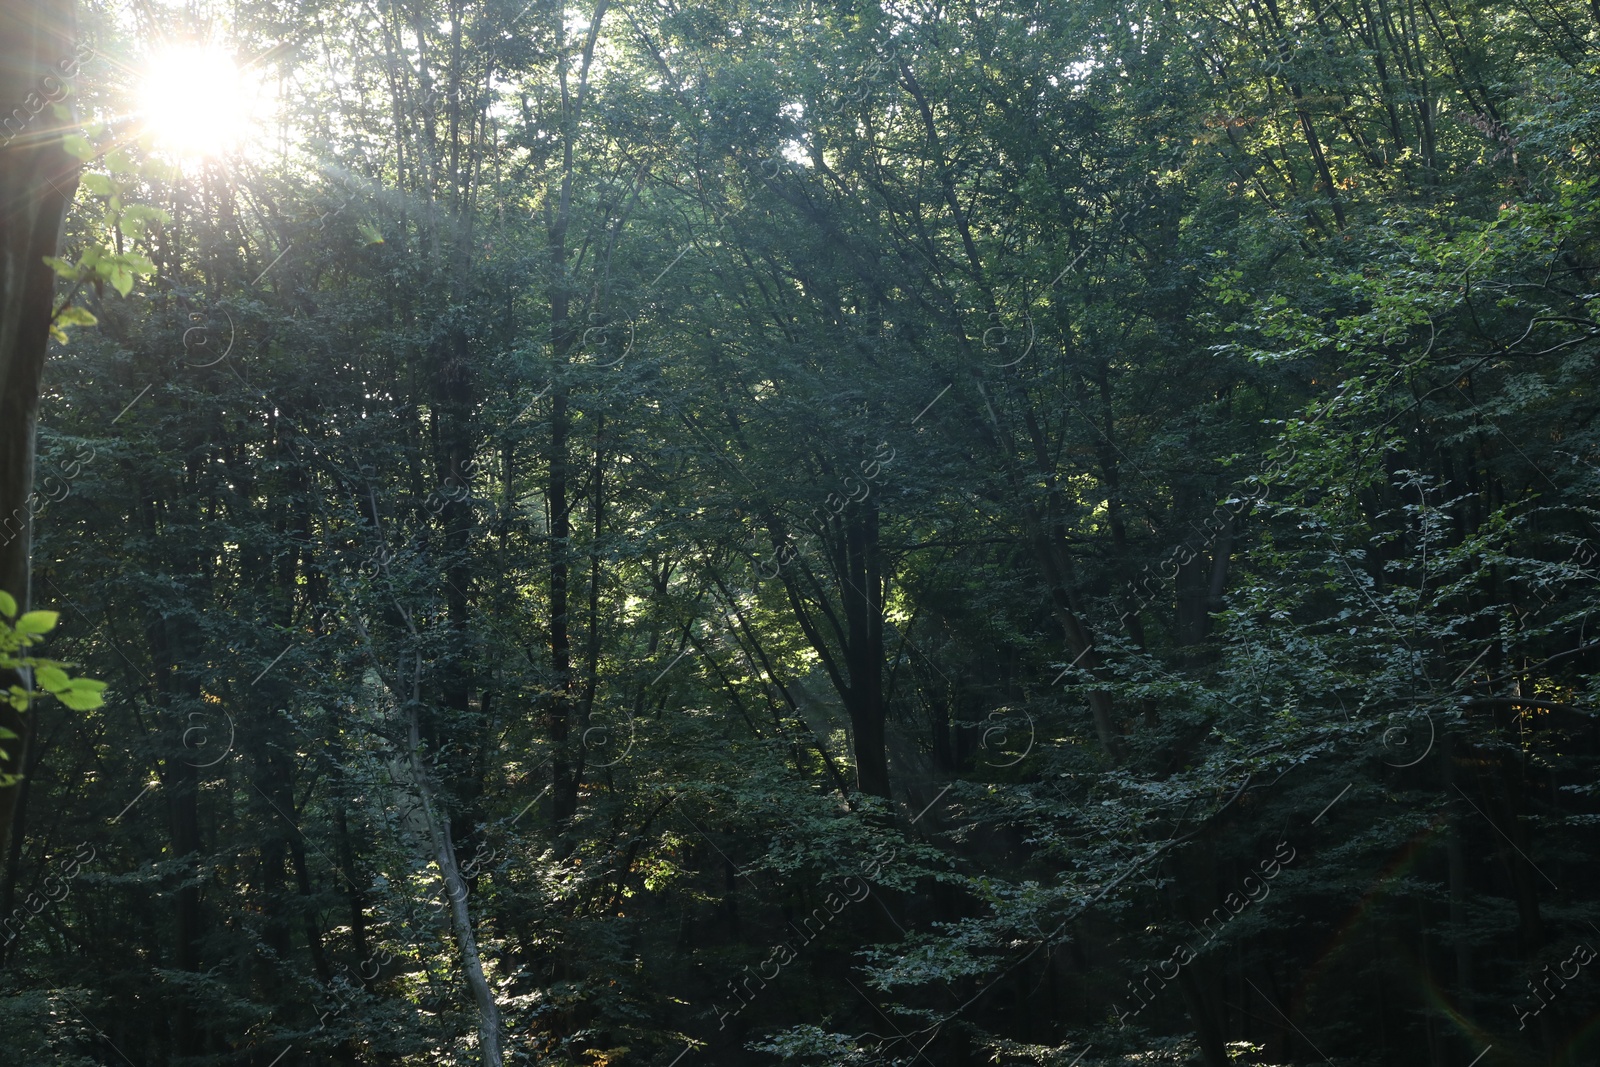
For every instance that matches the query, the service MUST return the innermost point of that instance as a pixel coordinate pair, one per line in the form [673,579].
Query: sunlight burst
[197,103]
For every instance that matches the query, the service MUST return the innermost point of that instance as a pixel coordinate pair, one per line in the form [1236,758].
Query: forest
[638,533]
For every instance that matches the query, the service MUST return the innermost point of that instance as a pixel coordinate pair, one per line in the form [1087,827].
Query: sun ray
[196,102]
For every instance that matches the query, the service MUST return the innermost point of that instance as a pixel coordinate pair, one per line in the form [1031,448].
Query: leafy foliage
[831,534]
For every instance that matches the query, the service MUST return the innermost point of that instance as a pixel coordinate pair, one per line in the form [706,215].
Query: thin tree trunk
[436,822]
[444,854]
[563,339]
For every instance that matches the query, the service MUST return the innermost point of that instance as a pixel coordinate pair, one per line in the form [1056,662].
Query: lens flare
[197,103]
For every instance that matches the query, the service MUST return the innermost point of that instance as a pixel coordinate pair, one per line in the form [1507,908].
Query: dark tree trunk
[37,181]
[863,609]
[558,712]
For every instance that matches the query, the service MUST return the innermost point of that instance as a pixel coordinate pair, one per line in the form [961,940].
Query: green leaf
[137,220]
[137,263]
[77,145]
[63,267]
[119,270]
[52,678]
[98,184]
[38,622]
[79,700]
[8,605]
[72,315]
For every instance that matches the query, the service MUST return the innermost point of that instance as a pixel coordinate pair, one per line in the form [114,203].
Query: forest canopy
[876,533]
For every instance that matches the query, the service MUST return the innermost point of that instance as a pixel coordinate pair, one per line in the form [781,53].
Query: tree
[38,60]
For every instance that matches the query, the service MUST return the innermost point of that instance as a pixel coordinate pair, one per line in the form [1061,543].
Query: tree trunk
[455,887]
[863,608]
[37,181]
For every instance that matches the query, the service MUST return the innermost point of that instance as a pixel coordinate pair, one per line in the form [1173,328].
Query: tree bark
[863,608]
[455,887]
[37,182]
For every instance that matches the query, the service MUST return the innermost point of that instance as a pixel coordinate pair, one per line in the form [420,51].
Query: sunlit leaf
[38,622]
